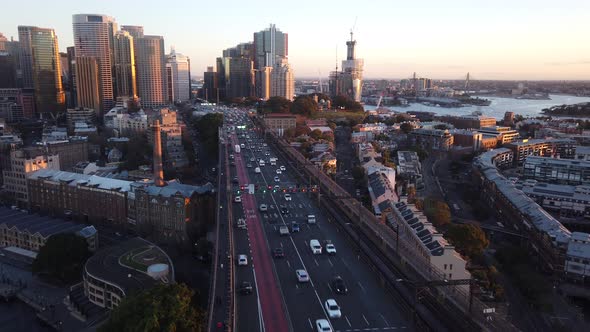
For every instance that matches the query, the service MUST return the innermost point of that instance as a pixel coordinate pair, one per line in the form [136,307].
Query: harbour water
[524,107]
[16,316]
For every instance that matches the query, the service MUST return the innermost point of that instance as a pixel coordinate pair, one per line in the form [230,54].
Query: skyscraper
[210,85]
[125,77]
[71,95]
[178,77]
[94,37]
[87,83]
[348,82]
[136,31]
[282,80]
[42,65]
[263,82]
[270,46]
[151,71]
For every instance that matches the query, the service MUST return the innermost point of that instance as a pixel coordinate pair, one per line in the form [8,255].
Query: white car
[263,208]
[302,276]
[283,168]
[238,199]
[287,197]
[323,325]
[252,159]
[330,249]
[242,260]
[277,179]
[332,308]
[279,171]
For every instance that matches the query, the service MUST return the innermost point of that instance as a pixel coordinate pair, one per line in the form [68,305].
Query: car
[238,199]
[277,187]
[252,159]
[323,325]
[332,308]
[279,171]
[284,210]
[287,197]
[284,230]
[278,253]
[338,285]
[245,288]
[283,168]
[302,275]
[263,208]
[233,163]
[277,179]
[242,260]
[249,165]
[235,180]
[330,249]
[295,227]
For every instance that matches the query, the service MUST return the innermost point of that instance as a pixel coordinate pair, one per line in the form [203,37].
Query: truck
[237,148]
[273,161]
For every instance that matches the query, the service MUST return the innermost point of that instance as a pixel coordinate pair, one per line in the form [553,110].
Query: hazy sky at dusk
[500,39]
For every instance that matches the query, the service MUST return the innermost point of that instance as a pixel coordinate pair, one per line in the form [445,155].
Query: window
[451,267]
[445,266]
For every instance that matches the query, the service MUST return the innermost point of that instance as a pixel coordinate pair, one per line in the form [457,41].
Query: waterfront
[16,316]
[524,107]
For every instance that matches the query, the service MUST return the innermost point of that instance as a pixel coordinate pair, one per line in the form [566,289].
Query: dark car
[284,210]
[245,288]
[338,285]
[278,253]
[235,180]
[295,227]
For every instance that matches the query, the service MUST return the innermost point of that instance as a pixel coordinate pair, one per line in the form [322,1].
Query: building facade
[87,83]
[151,71]
[282,81]
[125,75]
[94,38]
[562,148]
[435,139]
[559,171]
[278,123]
[179,77]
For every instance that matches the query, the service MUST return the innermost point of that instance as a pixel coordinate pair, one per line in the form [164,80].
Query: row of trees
[208,128]
[306,105]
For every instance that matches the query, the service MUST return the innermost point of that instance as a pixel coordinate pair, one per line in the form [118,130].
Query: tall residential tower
[178,74]
[151,71]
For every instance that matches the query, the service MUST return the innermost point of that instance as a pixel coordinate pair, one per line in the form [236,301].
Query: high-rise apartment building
[178,76]
[263,82]
[136,31]
[41,65]
[282,80]
[94,37]
[270,46]
[71,95]
[349,81]
[125,77]
[88,83]
[210,85]
[151,71]
[241,77]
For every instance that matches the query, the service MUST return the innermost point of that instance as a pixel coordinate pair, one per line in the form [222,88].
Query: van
[311,219]
[257,170]
[315,246]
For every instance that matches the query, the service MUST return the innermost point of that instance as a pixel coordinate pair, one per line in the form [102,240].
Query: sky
[500,39]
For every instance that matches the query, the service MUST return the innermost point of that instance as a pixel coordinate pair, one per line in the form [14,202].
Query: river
[524,107]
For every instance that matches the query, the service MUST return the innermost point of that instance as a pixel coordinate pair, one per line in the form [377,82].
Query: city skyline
[530,40]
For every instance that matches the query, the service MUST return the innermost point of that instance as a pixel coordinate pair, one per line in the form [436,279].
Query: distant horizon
[527,40]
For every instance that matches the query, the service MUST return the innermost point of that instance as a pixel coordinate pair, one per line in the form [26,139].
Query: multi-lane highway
[279,302]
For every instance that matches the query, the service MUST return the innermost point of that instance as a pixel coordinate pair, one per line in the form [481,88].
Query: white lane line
[310,324]
[366,321]
[349,325]
[385,320]
[363,288]
[281,244]
[316,262]
[329,260]
[288,264]
[260,320]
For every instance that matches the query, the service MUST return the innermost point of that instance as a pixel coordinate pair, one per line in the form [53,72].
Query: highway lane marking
[363,288]
[329,260]
[349,325]
[382,317]
[288,264]
[316,262]
[310,324]
[366,321]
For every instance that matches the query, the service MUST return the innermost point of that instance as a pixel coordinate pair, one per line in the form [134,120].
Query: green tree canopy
[62,257]
[437,211]
[316,134]
[277,105]
[163,308]
[347,103]
[469,240]
[136,152]
[304,105]
[208,128]
[406,127]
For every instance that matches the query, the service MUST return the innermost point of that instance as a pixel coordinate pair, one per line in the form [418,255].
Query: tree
[328,136]
[316,134]
[304,105]
[62,257]
[469,239]
[406,127]
[358,173]
[277,105]
[136,152]
[208,128]
[437,211]
[165,308]
[302,130]
[346,103]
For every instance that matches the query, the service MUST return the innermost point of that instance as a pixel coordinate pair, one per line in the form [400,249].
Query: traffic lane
[246,305]
[300,298]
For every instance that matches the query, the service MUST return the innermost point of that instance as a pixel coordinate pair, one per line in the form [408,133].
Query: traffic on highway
[295,269]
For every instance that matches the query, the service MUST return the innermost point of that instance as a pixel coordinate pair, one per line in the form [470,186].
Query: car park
[242,260]
[302,275]
[332,308]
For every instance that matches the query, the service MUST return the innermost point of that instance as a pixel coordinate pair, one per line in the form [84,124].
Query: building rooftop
[540,141]
[76,179]
[279,115]
[126,264]
[44,226]
[557,161]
